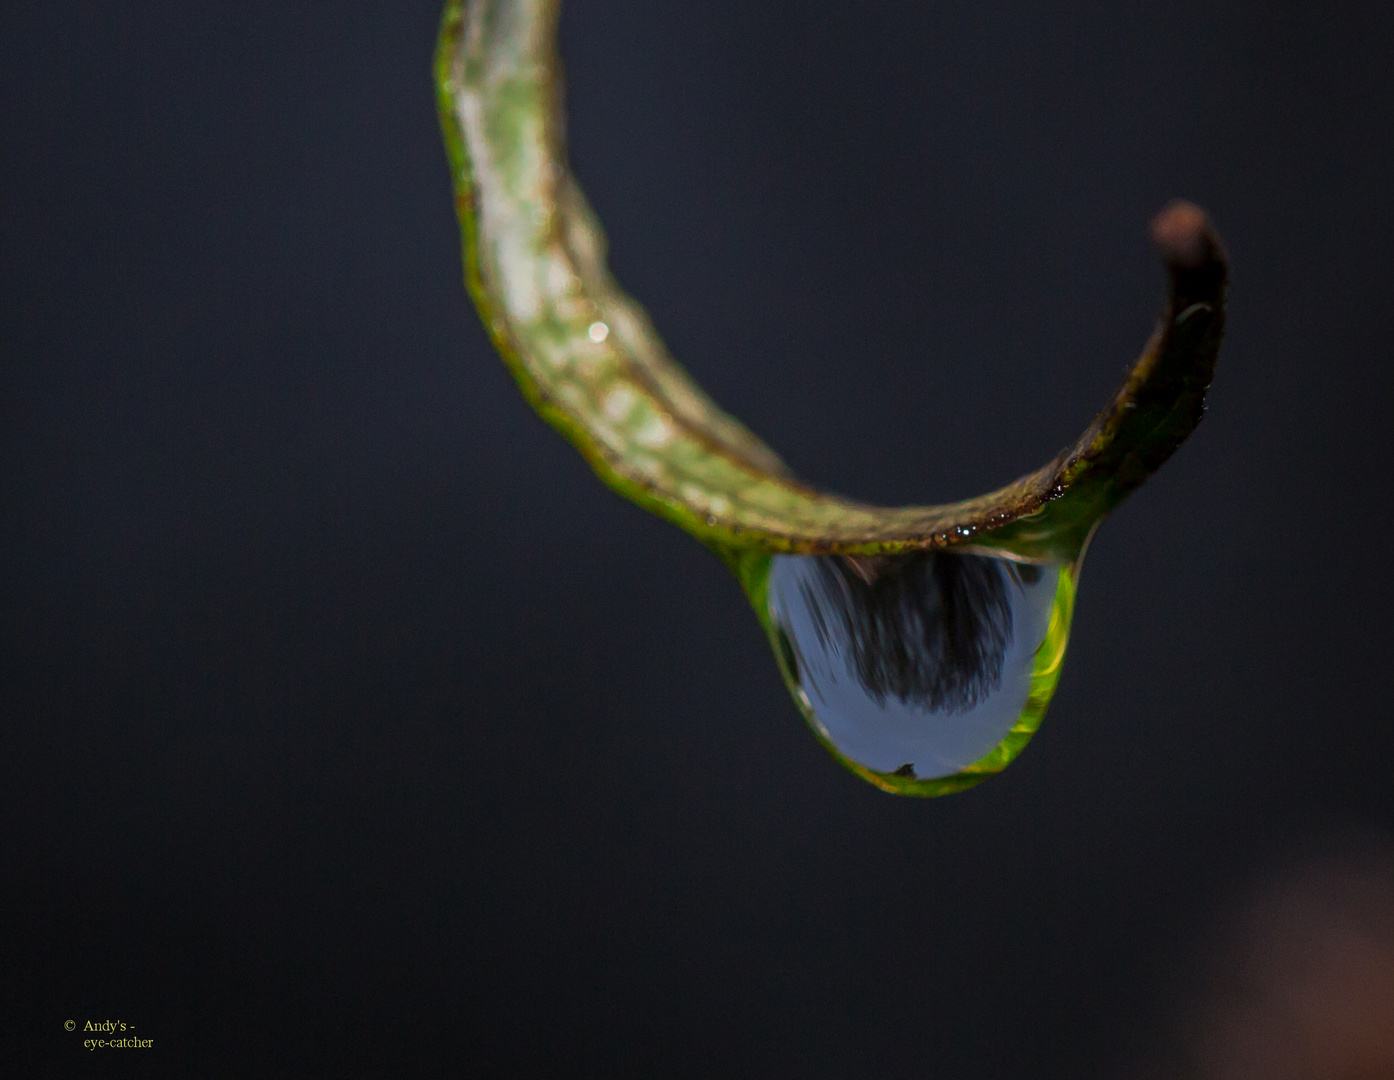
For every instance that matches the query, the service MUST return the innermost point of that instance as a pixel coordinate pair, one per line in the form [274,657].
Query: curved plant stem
[589,360]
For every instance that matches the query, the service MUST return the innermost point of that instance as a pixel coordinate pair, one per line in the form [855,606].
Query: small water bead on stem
[918,667]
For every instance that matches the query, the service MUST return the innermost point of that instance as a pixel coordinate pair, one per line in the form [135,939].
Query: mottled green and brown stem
[590,361]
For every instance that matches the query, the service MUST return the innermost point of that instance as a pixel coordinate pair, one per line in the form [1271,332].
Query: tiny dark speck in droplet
[908,769]
[1029,574]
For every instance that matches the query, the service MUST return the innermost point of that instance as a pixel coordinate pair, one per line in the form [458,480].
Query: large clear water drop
[918,667]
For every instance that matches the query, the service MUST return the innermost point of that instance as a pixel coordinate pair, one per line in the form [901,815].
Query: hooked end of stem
[1182,232]
[1193,254]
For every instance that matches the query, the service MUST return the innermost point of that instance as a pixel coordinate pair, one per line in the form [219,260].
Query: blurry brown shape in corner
[1299,982]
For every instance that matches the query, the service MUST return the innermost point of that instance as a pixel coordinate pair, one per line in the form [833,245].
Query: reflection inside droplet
[916,665]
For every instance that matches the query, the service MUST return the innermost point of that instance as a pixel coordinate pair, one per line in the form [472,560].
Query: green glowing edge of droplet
[753,570]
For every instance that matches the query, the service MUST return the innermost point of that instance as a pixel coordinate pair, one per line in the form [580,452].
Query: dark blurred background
[352,728]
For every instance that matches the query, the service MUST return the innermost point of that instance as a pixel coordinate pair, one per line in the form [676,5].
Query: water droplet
[598,332]
[917,666]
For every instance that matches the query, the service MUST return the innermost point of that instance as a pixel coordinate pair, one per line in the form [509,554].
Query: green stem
[590,362]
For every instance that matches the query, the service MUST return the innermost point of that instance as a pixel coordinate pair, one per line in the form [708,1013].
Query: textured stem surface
[590,362]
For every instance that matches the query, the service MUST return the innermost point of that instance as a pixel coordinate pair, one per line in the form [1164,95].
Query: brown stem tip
[1182,232]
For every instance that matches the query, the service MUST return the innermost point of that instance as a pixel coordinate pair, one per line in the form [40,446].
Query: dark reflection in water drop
[914,664]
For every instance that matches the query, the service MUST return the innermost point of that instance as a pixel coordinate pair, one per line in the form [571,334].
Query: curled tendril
[590,362]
